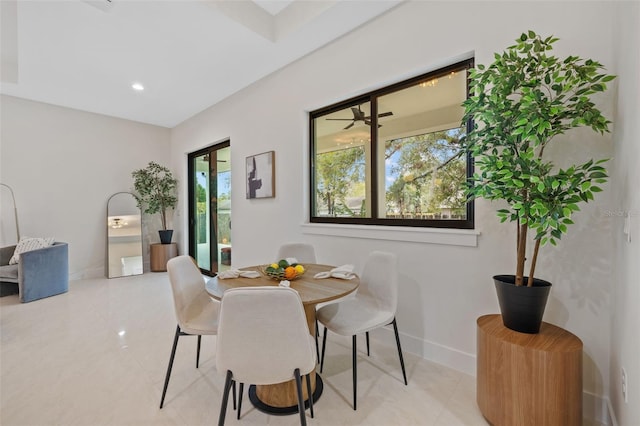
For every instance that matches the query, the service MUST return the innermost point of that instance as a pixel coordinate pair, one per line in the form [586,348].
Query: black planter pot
[522,307]
[165,236]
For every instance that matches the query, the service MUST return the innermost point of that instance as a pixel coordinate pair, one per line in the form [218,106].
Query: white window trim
[445,236]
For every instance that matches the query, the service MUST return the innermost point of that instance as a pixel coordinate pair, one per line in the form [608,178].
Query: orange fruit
[290,272]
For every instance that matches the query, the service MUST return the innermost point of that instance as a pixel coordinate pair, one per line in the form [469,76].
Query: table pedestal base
[283,411]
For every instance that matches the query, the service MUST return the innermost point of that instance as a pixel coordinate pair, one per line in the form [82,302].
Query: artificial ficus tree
[156,190]
[519,104]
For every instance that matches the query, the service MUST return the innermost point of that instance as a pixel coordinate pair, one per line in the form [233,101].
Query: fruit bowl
[282,270]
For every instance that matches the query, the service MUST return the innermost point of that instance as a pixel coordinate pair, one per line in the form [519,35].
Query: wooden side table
[160,255]
[528,379]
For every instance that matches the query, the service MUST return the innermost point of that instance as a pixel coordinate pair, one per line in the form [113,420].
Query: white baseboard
[98,272]
[598,409]
[594,407]
[87,273]
[440,354]
[612,413]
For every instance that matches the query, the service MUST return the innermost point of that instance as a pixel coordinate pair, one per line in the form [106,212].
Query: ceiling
[188,55]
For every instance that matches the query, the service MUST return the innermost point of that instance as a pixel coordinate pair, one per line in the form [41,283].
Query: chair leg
[303,420]
[198,352]
[355,372]
[317,346]
[233,388]
[240,399]
[173,354]
[225,397]
[367,334]
[324,346]
[309,394]
[395,329]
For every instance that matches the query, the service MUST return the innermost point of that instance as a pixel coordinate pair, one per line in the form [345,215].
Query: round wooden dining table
[281,398]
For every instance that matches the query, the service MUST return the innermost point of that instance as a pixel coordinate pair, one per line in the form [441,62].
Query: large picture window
[394,156]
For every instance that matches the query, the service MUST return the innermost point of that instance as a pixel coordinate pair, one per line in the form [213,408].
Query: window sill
[452,237]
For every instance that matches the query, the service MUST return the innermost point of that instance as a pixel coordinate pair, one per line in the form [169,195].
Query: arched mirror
[124,236]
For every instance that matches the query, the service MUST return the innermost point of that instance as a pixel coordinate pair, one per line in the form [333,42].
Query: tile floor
[98,355]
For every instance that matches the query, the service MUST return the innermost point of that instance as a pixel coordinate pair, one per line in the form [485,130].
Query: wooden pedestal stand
[160,255]
[528,379]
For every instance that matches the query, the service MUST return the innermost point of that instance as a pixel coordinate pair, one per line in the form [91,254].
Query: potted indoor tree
[518,106]
[156,193]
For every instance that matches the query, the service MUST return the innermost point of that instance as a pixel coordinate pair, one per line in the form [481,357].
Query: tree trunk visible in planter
[522,307]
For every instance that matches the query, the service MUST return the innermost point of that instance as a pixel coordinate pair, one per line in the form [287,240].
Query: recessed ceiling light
[137,87]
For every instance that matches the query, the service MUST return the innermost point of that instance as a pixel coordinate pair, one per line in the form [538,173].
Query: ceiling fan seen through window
[358,115]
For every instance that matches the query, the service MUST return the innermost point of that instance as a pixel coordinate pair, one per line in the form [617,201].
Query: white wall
[625,345]
[63,165]
[444,288]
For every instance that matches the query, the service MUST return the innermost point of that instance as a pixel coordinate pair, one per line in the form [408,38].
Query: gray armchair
[40,273]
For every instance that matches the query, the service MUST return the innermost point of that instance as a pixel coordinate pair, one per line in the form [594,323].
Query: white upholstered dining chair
[373,305]
[263,339]
[303,252]
[196,311]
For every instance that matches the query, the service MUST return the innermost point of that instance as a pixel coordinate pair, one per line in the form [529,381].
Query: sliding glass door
[210,207]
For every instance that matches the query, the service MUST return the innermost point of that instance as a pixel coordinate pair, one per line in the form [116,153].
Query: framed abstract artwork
[261,170]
